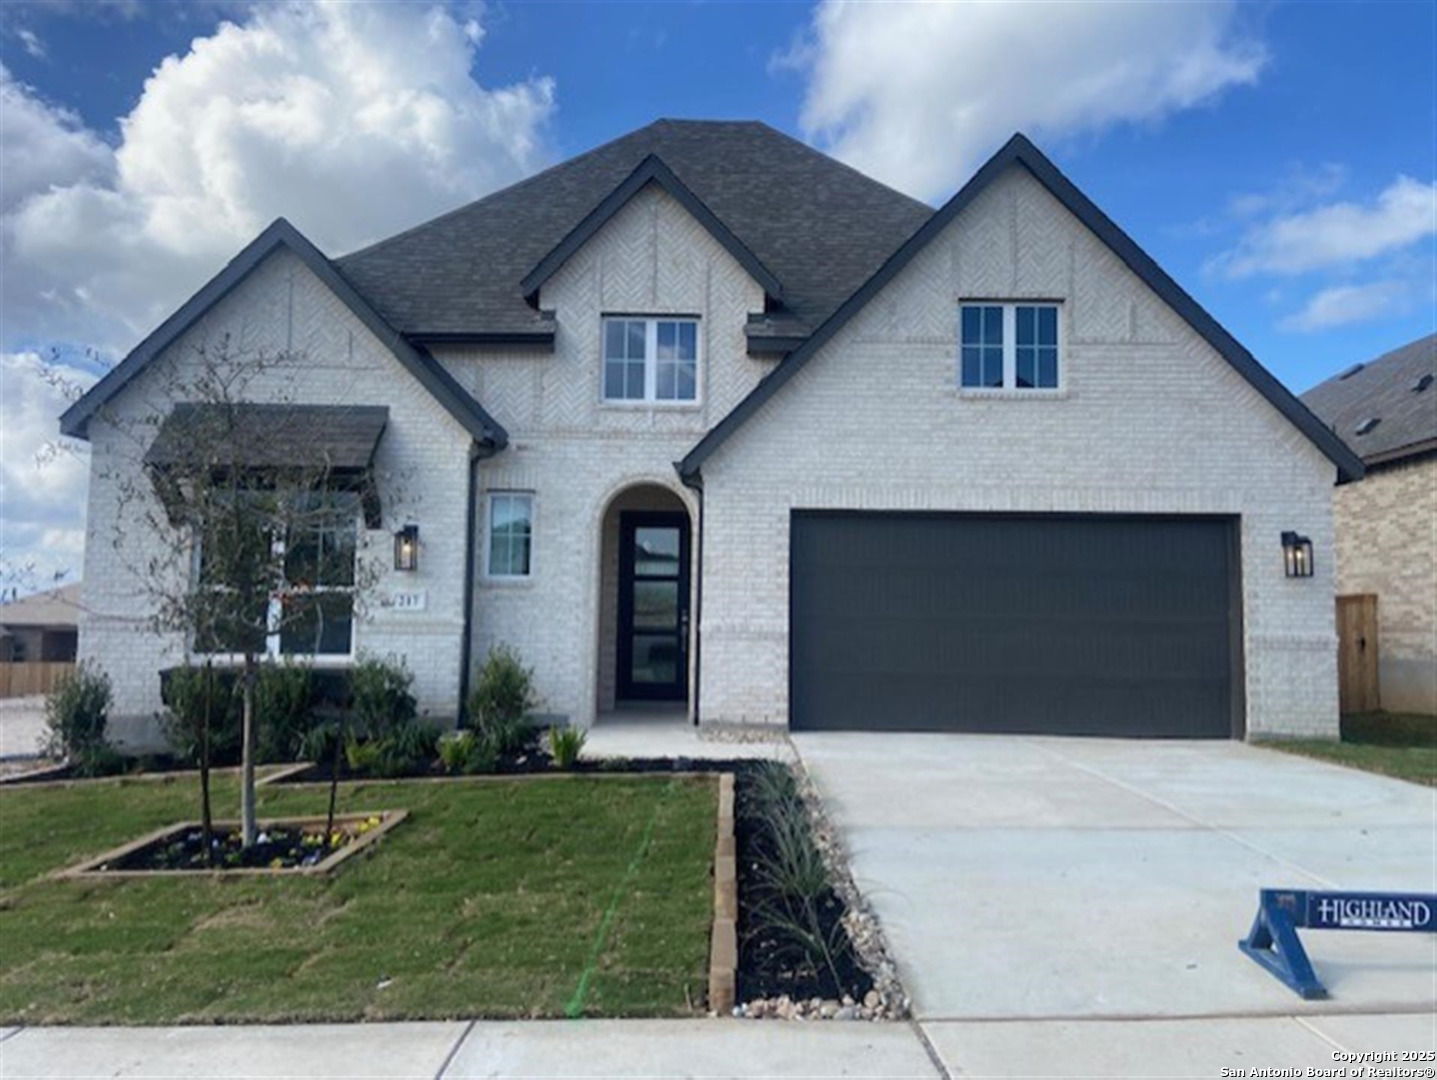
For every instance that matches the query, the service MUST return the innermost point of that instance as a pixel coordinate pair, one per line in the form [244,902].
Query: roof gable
[819,227]
[651,170]
[281,234]
[1020,151]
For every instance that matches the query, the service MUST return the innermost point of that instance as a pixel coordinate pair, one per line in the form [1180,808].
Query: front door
[653,606]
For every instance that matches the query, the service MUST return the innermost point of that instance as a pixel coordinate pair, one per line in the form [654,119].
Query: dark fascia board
[1020,151]
[651,170]
[486,338]
[430,373]
[1400,453]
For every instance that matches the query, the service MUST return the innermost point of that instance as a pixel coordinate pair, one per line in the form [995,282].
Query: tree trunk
[248,831]
[206,817]
[334,780]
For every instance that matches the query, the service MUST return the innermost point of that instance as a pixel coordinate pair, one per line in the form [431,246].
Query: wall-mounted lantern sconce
[1296,555]
[406,548]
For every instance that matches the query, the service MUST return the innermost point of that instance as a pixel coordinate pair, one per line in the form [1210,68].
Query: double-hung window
[279,582]
[511,534]
[1008,346]
[650,359]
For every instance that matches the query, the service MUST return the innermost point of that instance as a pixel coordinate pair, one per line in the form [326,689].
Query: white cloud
[352,120]
[42,483]
[33,45]
[1343,304]
[1337,234]
[916,93]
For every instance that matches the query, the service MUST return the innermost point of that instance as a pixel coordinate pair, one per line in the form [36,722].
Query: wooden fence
[32,677]
[1357,687]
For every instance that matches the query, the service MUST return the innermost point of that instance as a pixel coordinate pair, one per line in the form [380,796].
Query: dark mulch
[283,847]
[770,961]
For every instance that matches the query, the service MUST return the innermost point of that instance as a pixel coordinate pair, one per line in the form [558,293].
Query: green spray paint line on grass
[575,1006]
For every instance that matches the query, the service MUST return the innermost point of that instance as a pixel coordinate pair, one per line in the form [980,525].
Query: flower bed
[284,846]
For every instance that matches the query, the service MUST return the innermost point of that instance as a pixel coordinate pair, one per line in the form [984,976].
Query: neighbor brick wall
[422,455]
[1150,420]
[1386,540]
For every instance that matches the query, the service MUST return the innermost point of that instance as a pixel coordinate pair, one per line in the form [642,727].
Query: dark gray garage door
[1081,625]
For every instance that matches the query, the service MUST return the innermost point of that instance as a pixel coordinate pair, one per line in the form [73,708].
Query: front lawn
[1403,745]
[542,897]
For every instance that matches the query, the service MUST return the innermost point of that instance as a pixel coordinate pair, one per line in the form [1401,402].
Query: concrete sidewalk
[674,1048]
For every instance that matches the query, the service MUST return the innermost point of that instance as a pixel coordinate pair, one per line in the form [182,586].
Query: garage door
[1076,625]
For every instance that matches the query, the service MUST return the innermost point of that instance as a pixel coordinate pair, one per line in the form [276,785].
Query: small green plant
[75,718]
[284,703]
[565,744]
[466,753]
[503,702]
[381,697]
[194,699]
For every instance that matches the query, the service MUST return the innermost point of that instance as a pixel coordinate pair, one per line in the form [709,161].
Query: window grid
[511,535]
[1009,346]
[650,360]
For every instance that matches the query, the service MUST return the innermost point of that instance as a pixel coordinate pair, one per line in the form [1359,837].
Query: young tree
[244,516]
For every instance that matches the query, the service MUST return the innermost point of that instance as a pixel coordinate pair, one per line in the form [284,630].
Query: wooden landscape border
[723,946]
[90,868]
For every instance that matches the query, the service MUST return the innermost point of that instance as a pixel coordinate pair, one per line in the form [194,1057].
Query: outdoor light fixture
[406,548]
[1296,555]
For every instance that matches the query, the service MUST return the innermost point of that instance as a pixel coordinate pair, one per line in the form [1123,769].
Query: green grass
[1403,745]
[487,901]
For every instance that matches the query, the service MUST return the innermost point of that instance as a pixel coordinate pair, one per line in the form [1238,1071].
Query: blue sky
[1277,159]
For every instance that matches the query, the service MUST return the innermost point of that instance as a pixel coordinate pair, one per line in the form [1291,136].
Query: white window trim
[651,363]
[275,615]
[504,493]
[1010,387]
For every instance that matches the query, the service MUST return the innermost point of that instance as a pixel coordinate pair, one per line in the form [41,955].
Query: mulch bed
[277,848]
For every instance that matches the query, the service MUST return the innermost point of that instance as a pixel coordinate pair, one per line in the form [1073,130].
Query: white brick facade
[1151,420]
[423,454]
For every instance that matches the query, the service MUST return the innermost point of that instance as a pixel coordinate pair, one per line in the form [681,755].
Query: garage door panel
[951,622]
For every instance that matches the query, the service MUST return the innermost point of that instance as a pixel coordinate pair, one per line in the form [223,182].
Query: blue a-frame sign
[1273,940]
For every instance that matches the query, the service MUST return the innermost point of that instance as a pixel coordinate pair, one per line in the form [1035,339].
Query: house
[706,419]
[41,626]
[1386,411]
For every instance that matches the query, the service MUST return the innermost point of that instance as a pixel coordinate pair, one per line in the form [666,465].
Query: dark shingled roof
[341,438]
[1383,390]
[820,227]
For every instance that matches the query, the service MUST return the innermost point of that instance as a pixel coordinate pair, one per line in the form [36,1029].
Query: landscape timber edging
[723,946]
[89,870]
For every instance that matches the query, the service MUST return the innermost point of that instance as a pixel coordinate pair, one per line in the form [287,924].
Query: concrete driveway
[1073,879]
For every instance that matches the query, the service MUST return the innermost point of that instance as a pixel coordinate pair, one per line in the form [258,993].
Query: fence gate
[1357,653]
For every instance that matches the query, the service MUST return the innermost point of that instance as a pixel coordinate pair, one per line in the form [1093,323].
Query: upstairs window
[651,359]
[1008,347]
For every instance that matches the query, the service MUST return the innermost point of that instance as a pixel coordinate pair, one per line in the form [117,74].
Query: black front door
[653,606]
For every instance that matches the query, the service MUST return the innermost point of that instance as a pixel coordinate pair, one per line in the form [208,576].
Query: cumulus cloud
[42,483]
[916,93]
[352,120]
[1336,234]
[318,112]
[1343,304]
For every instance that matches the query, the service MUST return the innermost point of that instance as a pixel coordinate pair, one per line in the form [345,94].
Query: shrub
[380,696]
[284,706]
[75,718]
[565,744]
[467,753]
[503,700]
[406,750]
[185,692]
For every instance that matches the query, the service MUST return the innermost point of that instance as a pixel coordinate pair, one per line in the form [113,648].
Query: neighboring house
[41,626]
[1386,411]
[705,417]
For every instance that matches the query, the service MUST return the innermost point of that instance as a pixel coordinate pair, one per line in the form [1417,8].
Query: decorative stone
[871,1000]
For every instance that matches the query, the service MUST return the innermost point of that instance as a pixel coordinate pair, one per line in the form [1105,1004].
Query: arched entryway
[645,601]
